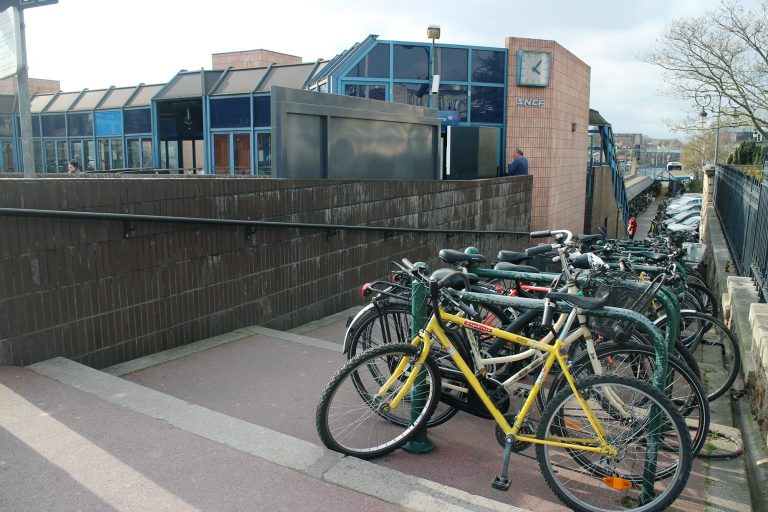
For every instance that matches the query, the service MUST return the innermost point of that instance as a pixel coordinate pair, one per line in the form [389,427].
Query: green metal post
[420,443]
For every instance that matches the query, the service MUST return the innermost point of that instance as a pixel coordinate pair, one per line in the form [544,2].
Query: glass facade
[375,64]
[80,124]
[262,111]
[451,64]
[487,104]
[454,97]
[264,149]
[372,92]
[488,66]
[230,113]
[54,125]
[108,123]
[138,120]
[411,62]
[411,94]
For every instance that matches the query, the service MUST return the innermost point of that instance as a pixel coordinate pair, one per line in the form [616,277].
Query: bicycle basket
[622,291]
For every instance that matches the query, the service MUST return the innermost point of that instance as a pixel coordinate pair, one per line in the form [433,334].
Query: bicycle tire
[585,487]
[706,297]
[352,420]
[715,350]
[638,361]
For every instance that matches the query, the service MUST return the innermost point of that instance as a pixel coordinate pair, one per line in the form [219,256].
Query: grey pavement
[228,424]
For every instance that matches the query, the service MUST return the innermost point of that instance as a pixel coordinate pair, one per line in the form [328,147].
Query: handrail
[131,217]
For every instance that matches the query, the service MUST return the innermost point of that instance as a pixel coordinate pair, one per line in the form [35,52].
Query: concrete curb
[309,459]
[754,456]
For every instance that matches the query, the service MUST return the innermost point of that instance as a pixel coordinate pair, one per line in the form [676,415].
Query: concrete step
[279,471]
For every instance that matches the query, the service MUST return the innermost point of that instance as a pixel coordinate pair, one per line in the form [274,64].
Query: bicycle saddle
[453,256]
[509,267]
[578,301]
[513,257]
[589,238]
[456,282]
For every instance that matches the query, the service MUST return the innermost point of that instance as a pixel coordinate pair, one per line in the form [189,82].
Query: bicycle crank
[525,430]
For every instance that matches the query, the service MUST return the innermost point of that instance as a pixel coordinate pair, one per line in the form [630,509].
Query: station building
[530,94]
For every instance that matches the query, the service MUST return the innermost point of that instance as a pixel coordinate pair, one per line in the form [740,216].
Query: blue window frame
[80,124]
[411,93]
[6,126]
[370,91]
[108,123]
[411,62]
[454,98]
[262,111]
[487,104]
[230,113]
[451,64]
[488,66]
[138,120]
[374,65]
[54,125]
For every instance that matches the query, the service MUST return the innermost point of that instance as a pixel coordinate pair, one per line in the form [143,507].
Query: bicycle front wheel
[640,423]
[355,415]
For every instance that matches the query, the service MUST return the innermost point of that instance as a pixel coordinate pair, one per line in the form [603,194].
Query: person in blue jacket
[519,165]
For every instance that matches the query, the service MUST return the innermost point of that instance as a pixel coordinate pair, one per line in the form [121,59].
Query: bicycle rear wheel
[354,415]
[648,427]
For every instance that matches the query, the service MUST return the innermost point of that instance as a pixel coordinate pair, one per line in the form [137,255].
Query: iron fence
[741,202]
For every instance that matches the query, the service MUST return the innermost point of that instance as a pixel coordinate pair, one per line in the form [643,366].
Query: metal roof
[89,100]
[240,81]
[117,97]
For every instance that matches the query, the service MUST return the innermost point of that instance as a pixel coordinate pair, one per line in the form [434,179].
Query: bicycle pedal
[501,483]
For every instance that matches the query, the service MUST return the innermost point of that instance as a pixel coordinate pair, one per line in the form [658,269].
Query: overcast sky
[96,43]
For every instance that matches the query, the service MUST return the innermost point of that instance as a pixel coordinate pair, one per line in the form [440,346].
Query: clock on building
[533,68]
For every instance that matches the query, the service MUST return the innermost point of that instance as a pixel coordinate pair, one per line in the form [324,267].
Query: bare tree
[719,61]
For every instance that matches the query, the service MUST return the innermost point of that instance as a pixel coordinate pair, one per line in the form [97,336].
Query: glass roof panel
[63,102]
[287,76]
[89,100]
[144,97]
[240,81]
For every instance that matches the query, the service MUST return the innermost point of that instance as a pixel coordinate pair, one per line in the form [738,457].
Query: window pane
[117,154]
[411,62]
[372,92]
[108,123]
[6,126]
[146,154]
[451,64]
[50,157]
[62,155]
[38,149]
[263,141]
[488,66]
[242,148]
[138,121]
[104,155]
[80,124]
[7,161]
[90,156]
[262,111]
[134,153]
[373,65]
[411,94]
[169,155]
[221,153]
[77,150]
[487,104]
[54,126]
[35,126]
[454,97]
[230,113]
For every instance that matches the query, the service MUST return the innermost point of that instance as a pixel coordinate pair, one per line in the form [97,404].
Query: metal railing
[741,202]
[129,219]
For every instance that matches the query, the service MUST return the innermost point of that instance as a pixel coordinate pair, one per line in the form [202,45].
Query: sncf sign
[530,102]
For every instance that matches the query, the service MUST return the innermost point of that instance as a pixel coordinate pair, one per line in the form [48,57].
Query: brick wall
[554,137]
[36,86]
[78,289]
[251,59]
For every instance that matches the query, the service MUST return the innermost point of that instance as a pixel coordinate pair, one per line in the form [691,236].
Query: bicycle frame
[424,339]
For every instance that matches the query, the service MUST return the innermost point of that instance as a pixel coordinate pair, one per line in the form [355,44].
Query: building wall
[81,290]
[36,86]
[251,59]
[554,137]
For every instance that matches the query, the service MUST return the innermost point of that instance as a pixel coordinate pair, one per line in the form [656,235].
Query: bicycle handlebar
[539,249]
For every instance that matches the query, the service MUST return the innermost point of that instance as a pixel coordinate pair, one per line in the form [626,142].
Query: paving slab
[67,449]
[253,378]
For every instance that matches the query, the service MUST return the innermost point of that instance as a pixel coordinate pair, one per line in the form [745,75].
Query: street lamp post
[433,32]
[704,100]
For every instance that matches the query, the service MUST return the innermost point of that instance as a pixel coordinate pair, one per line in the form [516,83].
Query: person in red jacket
[631,228]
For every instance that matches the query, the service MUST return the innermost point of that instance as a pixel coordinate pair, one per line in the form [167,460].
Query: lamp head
[433,32]
[703,115]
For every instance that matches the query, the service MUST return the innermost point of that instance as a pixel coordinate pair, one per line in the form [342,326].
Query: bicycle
[601,443]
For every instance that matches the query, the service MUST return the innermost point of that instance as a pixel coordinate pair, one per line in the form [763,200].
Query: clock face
[533,68]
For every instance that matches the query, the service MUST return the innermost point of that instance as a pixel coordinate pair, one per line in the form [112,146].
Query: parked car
[684,199]
[689,224]
[681,216]
[679,207]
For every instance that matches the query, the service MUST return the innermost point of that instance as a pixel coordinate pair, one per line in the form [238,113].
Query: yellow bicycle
[605,443]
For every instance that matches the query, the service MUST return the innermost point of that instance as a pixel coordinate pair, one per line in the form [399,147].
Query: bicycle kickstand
[502,482]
